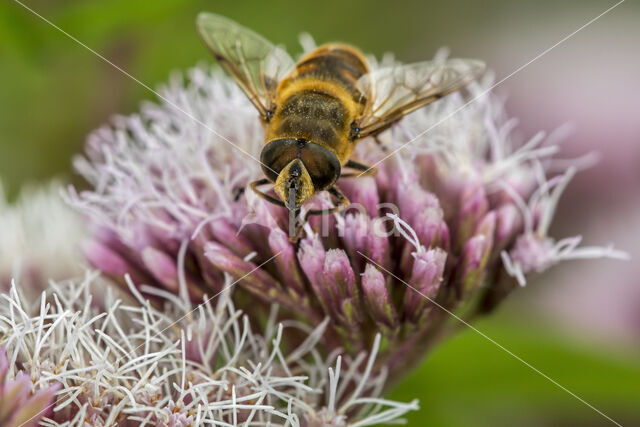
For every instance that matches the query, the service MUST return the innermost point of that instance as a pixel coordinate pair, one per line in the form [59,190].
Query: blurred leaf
[469,380]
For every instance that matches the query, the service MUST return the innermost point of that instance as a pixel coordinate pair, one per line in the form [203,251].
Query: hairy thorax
[319,100]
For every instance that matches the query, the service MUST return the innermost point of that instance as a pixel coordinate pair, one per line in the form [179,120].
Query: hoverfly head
[294,185]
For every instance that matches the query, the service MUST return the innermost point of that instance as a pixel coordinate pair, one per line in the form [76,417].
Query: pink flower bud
[377,298]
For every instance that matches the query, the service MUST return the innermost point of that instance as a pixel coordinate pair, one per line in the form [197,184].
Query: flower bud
[426,277]
[378,300]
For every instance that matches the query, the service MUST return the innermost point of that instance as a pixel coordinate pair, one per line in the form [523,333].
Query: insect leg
[341,202]
[380,144]
[254,186]
[239,193]
[364,169]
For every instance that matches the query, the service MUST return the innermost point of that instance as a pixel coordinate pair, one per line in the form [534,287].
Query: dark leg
[239,193]
[364,170]
[254,186]
[340,201]
[380,144]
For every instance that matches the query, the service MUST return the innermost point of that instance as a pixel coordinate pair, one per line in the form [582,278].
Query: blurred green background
[580,324]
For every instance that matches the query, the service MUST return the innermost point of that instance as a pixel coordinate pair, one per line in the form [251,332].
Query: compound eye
[323,166]
[276,155]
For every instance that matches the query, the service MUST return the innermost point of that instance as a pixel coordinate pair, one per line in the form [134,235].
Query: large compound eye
[276,155]
[322,165]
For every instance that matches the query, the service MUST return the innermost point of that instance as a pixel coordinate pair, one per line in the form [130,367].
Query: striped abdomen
[319,100]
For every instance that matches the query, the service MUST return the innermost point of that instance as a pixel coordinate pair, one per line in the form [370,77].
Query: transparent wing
[255,63]
[396,91]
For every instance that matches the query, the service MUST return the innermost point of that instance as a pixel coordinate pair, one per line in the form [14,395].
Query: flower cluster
[19,406]
[39,238]
[459,210]
[134,364]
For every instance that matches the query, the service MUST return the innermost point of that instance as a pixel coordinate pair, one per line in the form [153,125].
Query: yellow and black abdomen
[319,100]
[338,63]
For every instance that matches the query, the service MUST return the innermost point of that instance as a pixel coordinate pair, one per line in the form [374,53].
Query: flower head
[39,239]
[134,364]
[449,213]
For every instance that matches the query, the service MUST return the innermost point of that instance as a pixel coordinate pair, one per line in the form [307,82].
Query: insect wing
[255,63]
[399,90]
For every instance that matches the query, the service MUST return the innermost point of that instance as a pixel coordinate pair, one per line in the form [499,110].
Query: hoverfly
[315,110]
